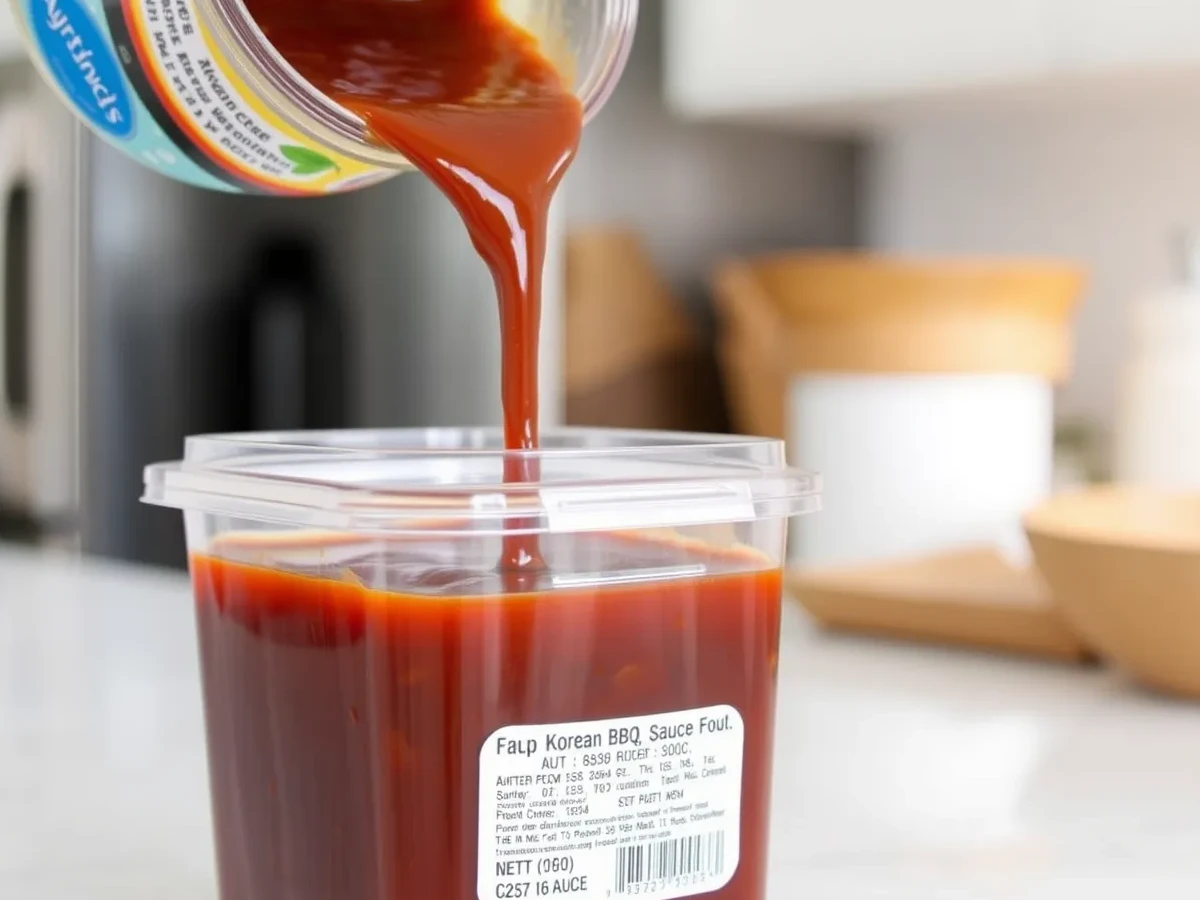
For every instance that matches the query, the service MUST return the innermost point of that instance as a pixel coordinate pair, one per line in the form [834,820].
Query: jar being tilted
[193,89]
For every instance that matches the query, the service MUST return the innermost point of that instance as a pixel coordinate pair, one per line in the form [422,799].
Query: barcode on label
[700,854]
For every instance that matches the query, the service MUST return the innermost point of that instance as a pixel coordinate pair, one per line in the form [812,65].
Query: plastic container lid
[411,481]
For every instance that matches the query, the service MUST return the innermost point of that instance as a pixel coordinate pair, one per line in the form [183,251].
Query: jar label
[79,56]
[147,76]
[647,806]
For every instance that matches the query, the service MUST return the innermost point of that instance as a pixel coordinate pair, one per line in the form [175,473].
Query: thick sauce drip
[469,99]
[345,723]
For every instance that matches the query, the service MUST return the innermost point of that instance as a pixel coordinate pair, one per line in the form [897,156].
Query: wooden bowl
[867,313]
[1123,568]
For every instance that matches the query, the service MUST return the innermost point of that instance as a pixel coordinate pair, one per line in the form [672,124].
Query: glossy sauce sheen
[467,96]
[347,702]
[345,724]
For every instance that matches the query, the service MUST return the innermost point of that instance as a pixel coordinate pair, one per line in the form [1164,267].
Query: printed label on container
[148,77]
[647,806]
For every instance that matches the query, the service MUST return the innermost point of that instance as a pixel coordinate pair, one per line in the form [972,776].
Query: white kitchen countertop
[901,772]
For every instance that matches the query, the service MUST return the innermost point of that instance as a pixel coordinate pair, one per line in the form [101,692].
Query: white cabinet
[1114,35]
[761,55]
[797,60]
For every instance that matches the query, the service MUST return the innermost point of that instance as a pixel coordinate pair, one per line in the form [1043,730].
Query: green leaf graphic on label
[305,161]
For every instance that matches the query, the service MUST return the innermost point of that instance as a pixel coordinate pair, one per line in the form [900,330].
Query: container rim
[448,480]
[483,441]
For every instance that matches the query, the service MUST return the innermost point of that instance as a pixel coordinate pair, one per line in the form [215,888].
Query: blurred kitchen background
[1053,139]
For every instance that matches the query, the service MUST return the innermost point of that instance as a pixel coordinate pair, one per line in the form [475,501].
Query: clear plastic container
[393,714]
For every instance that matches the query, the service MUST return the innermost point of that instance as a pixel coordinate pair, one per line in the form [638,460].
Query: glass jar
[193,89]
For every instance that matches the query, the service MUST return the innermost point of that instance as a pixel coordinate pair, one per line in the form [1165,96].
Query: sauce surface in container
[467,96]
[346,724]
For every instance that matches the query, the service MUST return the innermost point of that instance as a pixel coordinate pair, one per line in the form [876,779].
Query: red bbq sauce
[348,690]
[345,723]
[467,96]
